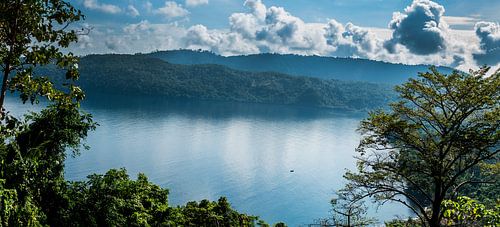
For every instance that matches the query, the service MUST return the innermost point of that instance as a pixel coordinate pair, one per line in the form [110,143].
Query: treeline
[324,67]
[141,75]
[33,191]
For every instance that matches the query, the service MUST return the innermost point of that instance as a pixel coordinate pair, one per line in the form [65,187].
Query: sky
[463,34]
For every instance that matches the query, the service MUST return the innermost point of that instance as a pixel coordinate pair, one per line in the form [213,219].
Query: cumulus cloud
[244,24]
[420,28]
[105,8]
[419,35]
[274,29]
[192,3]
[489,34]
[114,43]
[282,28]
[489,39]
[172,10]
[132,11]
[84,42]
[258,9]
[226,43]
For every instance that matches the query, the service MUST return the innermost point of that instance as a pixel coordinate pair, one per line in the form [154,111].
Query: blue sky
[457,33]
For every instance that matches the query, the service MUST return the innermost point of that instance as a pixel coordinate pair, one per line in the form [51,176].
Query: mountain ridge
[351,69]
[143,75]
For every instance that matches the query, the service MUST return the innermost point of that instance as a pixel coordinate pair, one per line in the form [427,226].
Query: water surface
[201,149]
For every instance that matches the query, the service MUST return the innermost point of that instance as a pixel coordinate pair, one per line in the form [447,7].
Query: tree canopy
[423,150]
[33,148]
[32,33]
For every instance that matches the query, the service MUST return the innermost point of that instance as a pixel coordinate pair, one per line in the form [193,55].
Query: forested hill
[315,66]
[141,75]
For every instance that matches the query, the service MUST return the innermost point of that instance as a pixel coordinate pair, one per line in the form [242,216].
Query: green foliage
[32,150]
[32,154]
[443,127]
[115,200]
[468,212]
[17,213]
[487,188]
[206,213]
[31,34]
[140,75]
[33,191]
[410,222]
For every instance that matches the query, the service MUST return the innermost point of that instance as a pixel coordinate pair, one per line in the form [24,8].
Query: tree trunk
[3,93]
[436,206]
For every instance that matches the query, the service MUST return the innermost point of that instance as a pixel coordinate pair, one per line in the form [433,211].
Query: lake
[202,149]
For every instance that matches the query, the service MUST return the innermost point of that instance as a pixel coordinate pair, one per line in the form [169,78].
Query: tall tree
[32,33]
[33,191]
[419,152]
[33,149]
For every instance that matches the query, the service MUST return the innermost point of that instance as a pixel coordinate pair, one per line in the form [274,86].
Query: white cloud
[274,29]
[489,39]
[106,8]
[258,9]
[420,28]
[244,24]
[226,43]
[141,37]
[172,10]
[192,3]
[132,11]
[420,35]
[489,34]
[114,44]
[84,42]
[454,20]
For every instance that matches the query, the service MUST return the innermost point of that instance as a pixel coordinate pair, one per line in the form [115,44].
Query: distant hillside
[314,66]
[138,74]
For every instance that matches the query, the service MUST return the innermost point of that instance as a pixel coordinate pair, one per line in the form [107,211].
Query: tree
[350,213]
[33,191]
[421,151]
[33,149]
[31,34]
[487,190]
[468,212]
[113,199]
[206,213]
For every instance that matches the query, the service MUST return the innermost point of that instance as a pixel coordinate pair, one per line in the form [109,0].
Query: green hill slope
[315,66]
[142,75]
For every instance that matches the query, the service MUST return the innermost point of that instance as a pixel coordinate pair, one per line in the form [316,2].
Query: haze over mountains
[353,69]
[344,83]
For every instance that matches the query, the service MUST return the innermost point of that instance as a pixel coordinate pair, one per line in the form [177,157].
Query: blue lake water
[242,151]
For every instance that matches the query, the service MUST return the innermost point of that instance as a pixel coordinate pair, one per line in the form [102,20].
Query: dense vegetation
[113,199]
[440,141]
[140,75]
[33,149]
[349,69]
[441,138]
